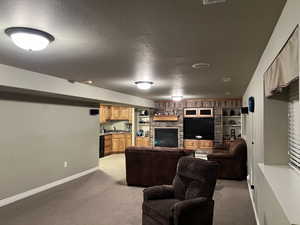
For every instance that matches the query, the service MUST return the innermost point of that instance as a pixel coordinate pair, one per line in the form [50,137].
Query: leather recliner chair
[188,201]
[233,162]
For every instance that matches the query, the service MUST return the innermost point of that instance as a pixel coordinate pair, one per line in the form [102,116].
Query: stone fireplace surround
[166,106]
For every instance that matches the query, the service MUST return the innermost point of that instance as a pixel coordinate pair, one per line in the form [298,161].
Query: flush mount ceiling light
[209,2]
[177,98]
[226,79]
[88,82]
[144,85]
[201,65]
[29,39]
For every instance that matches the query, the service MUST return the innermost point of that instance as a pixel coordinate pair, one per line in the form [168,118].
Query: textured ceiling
[115,43]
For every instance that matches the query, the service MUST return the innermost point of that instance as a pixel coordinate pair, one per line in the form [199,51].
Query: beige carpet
[102,198]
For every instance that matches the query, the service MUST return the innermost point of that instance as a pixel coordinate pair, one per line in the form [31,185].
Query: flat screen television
[204,127]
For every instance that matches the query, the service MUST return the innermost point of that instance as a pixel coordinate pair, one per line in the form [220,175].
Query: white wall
[36,139]
[269,128]
[23,79]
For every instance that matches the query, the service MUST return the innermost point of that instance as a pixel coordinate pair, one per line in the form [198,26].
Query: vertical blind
[294,125]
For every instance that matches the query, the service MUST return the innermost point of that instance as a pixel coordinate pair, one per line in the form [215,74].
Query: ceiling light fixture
[88,82]
[226,79]
[228,93]
[29,39]
[144,85]
[177,98]
[209,2]
[201,65]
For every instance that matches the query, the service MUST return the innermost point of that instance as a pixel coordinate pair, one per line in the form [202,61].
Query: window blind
[294,125]
[285,67]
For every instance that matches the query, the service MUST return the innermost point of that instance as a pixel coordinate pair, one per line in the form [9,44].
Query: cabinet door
[104,112]
[115,113]
[191,144]
[101,114]
[123,113]
[115,144]
[107,144]
[146,142]
[128,140]
[139,142]
[122,144]
[107,113]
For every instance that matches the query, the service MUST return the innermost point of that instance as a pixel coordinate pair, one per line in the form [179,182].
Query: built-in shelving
[143,123]
[231,120]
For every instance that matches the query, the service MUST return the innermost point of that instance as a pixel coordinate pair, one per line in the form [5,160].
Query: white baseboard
[34,191]
[252,201]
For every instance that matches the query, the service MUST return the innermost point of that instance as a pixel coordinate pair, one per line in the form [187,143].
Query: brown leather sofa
[232,161]
[189,201]
[146,166]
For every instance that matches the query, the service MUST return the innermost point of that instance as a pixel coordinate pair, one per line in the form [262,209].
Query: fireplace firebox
[166,137]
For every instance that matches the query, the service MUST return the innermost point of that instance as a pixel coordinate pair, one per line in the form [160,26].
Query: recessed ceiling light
[28,38]
[177,98]
[209,2]
[201,65]
[144,85]
[226,79]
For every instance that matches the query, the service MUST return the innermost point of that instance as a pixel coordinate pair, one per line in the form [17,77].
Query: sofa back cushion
[152,166]
[195,178]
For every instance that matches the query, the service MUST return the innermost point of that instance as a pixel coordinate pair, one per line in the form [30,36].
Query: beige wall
[267,127]
[36,139]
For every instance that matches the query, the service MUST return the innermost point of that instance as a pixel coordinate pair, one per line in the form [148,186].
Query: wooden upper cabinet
[114,113]
[121,113]
[104,113]
[124,113]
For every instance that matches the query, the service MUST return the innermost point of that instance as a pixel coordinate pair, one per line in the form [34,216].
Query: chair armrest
[158,192]
[193,212]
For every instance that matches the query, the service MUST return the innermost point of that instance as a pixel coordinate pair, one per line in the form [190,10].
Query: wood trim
[165,118]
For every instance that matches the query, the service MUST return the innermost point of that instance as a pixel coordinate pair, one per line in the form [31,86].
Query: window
[294,125]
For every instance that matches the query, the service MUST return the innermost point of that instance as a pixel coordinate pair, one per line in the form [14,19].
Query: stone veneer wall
[172,107]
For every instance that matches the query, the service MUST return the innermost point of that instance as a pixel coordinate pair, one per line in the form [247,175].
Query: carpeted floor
[102,198]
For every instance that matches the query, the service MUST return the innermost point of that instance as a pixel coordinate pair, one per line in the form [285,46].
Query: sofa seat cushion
[160,209]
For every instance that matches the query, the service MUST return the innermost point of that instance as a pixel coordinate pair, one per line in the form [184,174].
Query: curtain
[285,68]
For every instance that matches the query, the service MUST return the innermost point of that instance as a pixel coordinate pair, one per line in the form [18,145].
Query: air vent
[209,2]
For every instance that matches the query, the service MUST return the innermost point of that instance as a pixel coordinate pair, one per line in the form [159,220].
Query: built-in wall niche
[143,122]
[232,126]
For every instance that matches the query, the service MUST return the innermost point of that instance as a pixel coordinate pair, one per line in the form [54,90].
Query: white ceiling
[115,43]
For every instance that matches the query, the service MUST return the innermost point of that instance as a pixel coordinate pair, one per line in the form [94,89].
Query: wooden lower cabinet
[107,145]
[197,144]
[142,142]
[119,142]
[128,140]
